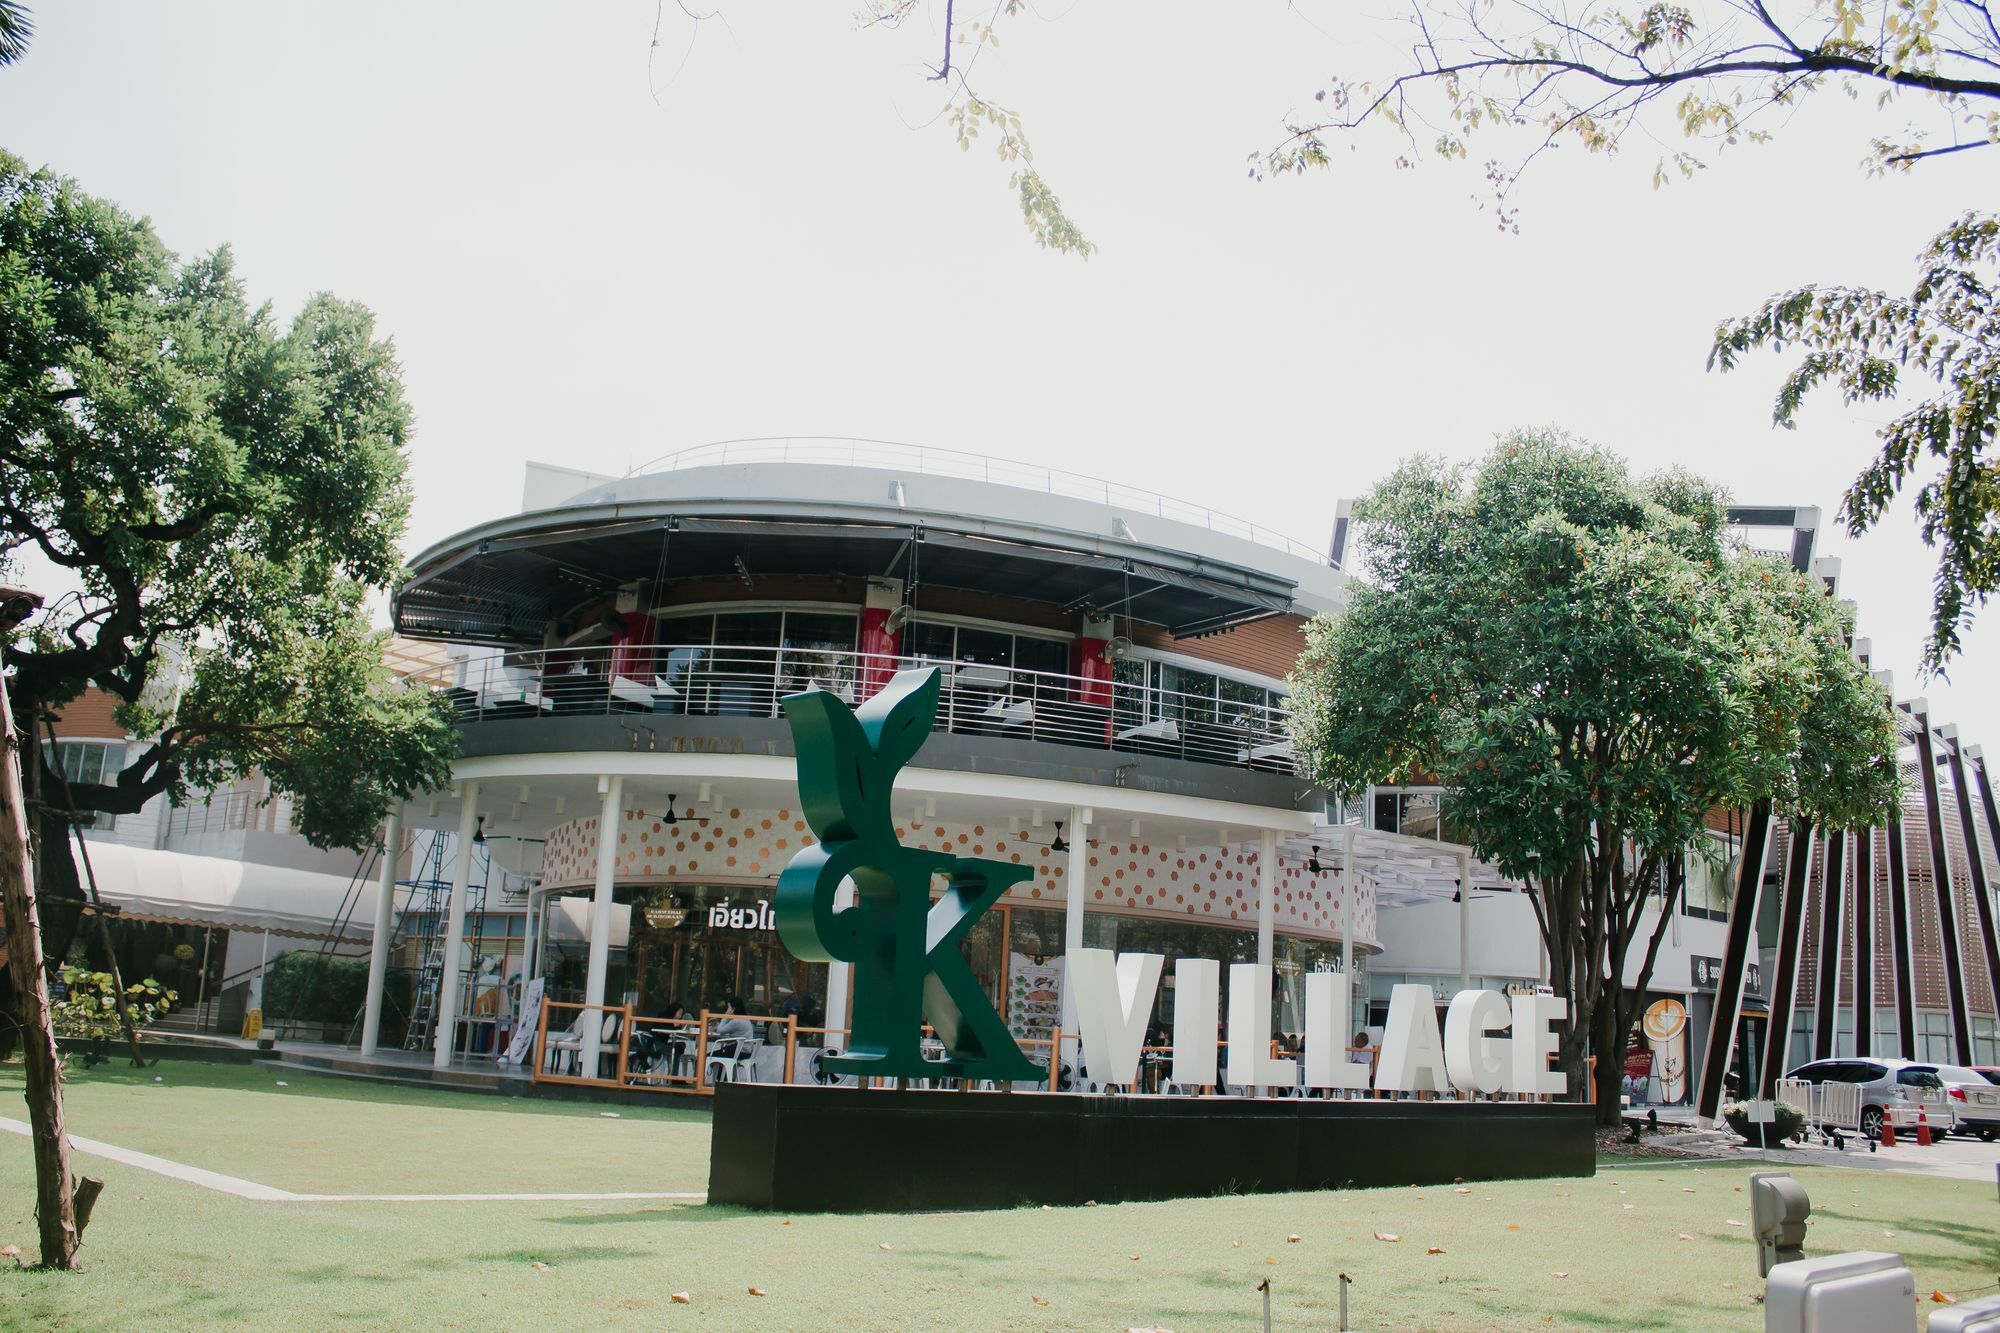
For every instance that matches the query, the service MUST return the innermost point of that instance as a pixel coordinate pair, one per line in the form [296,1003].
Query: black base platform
[818,1149]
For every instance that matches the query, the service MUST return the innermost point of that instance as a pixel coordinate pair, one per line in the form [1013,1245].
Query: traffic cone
[1923,1129]
[1888,1131]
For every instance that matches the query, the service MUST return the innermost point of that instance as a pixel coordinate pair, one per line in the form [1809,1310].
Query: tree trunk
[55,1210]
[1610,1046]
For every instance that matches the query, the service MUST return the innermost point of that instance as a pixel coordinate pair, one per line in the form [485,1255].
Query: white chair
[562,1052]
[731,1058]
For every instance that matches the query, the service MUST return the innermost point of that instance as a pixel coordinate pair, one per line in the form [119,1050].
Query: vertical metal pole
[378,942]
[1267,878]
[1735,960]
[1350,885]
[443,1036]
[1074,892]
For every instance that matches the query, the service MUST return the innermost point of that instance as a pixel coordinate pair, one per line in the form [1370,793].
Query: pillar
[1267,880]
[1350,885]
[1741,943]
[1902,948]
[1954,956]
[1982,903]
[1075,890]
[1826,989]
[454,936]
[1864,942]
[1791,941]
[385,922]
[1465,921]
[609,817]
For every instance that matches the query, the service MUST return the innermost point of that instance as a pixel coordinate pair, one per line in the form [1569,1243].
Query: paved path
[250,1189]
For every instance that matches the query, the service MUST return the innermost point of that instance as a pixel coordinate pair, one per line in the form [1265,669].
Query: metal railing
[891,456]
[977,698]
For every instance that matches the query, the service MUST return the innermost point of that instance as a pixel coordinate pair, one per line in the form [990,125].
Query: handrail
[840,451]
[977,698]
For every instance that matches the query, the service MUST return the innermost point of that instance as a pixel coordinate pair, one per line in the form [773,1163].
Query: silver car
[1974,1098]
[1886,1082]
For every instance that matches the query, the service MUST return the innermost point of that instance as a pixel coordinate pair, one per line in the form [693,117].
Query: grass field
[1639,1246]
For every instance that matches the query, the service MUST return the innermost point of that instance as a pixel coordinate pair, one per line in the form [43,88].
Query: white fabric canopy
[239,895]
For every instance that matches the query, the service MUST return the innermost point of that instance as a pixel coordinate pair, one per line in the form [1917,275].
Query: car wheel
[1988,1133]
[1871,1122]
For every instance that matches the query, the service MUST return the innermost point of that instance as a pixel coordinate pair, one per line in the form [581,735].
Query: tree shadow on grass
[671,1212]
[572,1254]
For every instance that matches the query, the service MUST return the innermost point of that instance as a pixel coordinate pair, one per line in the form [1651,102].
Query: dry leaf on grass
[788,1221]
[1890,1234]
[1039,1300]
[541,1267]
[1628,1207]
[1133,1257]
[1687,1189]
[9,1251]
[1461,1191]
[682,1298]
[1237,1243]
[1513,1226]
[757,1291]
[1292,1239]
[1387,1235]
[1685,1236]
[1559,1275]
[1731,1221]
[1939,1298]
[885,1245]
[1269,1260]
[1435,1249]
[1729,1286]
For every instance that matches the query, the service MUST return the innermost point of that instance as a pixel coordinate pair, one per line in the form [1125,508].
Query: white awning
[239,895]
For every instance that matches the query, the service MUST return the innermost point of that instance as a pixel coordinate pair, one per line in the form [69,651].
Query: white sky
[582,267]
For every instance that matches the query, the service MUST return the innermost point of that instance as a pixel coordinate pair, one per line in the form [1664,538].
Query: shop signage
[723,916]
[908,964]
[1114,999]
[1705,974]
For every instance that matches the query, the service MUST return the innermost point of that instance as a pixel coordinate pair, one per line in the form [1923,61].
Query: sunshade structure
[150,885]
[501,585]
[1405,870]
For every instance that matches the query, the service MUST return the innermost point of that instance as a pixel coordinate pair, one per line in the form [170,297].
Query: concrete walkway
[250,1189]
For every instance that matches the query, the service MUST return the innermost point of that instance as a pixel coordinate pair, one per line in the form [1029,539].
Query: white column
[1465,921]
[385,922]
[609,817]
[1075,891]
[1267,879]
[1350,884]
[454,936]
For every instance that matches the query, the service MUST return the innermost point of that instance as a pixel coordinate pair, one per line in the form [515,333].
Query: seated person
[732,1026]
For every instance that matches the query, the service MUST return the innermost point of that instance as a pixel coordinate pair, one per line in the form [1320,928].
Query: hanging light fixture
[479,833]
[1059,845]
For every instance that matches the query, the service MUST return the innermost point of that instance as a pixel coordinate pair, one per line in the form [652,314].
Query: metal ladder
[430,900]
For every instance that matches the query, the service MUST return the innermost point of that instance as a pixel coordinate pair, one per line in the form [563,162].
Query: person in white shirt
[733,1025]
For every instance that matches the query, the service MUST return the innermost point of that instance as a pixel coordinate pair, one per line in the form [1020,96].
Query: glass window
[748,629]
[986,646]
[1040,655]
[1130,696]
[1418,816]
[1185,695]
[90,762]
[925,642]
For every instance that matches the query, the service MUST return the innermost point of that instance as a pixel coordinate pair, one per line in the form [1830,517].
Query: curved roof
[502,581]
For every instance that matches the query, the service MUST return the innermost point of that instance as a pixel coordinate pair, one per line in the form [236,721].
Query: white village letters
[1114,995]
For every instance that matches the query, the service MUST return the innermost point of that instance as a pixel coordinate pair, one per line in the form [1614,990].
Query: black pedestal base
[817,1149]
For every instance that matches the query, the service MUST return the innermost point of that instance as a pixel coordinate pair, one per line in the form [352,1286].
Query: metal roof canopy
[504,589]
[1406,870]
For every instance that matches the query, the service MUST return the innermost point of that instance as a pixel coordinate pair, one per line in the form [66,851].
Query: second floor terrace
[1139,708]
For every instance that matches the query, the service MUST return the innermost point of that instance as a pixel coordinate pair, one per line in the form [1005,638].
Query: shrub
[1790,1123]
[306,988]
[89,1006]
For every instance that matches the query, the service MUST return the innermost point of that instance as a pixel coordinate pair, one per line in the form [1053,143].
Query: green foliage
[1789,1125]
[1590,667]
[1871,346]
[303,987]
[223,492]
[89,1006]
[16,27]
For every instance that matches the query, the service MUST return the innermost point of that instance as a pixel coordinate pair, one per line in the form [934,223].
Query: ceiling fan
[673,817]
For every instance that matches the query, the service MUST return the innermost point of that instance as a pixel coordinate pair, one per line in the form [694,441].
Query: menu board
[1034,996]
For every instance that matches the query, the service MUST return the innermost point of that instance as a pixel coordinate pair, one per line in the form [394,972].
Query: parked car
[1886,1082]
[1974,1098]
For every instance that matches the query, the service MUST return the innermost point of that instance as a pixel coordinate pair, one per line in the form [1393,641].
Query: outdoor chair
[733,1059]
[562,1052]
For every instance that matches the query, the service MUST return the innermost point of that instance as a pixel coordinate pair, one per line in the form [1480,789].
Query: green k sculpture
[908,965]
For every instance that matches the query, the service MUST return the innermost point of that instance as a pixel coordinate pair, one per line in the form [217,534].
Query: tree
[219,494]
[1555,72]
[1869,344]
[16,27]
[1591,667]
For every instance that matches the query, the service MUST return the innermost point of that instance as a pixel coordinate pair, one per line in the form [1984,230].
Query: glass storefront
[694,945]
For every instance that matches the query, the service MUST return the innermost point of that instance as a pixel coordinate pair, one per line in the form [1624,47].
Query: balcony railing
[926,461]
[978,698]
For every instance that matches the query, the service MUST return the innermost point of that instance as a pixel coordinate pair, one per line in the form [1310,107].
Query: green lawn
[164,1254]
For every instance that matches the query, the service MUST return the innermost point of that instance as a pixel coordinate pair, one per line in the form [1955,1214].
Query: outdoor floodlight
[1778,1211]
